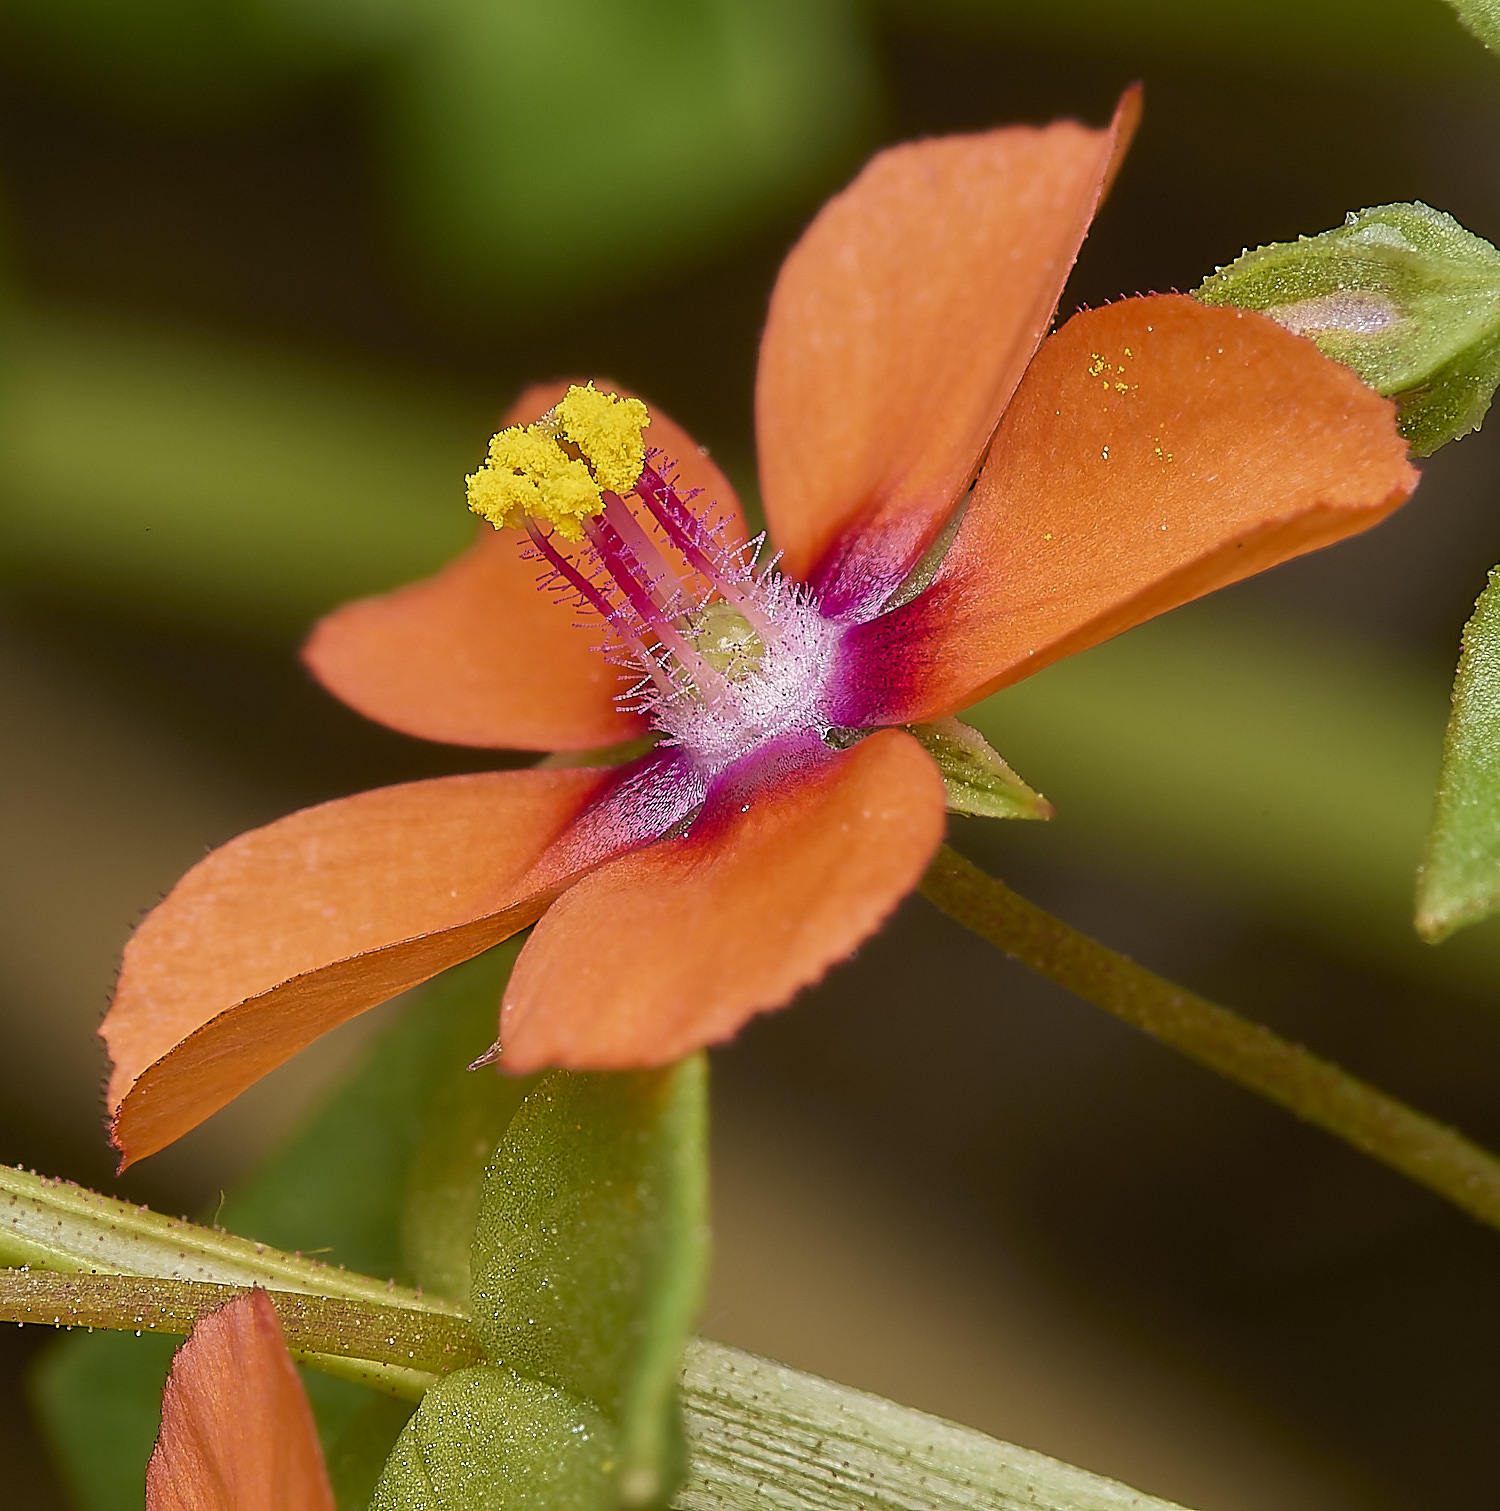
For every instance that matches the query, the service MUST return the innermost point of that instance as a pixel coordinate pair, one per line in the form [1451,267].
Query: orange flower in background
[237,1432]
[1142,455]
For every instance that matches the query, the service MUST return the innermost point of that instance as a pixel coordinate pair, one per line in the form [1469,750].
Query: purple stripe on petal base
[648,798]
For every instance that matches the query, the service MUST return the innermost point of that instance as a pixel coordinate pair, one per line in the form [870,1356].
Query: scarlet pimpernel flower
[955,499]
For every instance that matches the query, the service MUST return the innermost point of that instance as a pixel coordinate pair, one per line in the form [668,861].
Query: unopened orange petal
[1156,450]
[900,326]
[237,1433]
[479,655]
[288,931]
[676,946]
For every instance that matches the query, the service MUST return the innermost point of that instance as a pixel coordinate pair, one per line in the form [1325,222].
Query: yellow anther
[607,430]
[528,473]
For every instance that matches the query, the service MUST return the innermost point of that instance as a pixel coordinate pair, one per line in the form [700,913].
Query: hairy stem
[339,1325]
[1314,1089]
[55,1226]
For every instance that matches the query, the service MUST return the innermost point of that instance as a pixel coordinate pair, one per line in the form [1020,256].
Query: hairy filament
[659,580]
[693,538]
[618,562]
[602,606]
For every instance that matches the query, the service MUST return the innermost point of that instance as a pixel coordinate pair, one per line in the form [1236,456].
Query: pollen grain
[529,474]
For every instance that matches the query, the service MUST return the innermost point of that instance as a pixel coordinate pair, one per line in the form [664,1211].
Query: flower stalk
[344,1326]
[1311,1088]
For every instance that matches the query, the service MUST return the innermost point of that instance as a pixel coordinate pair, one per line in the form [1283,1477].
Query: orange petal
[287,931]
[899,328]
[794,861]
[479,655]
[237,1433]
[1156,450]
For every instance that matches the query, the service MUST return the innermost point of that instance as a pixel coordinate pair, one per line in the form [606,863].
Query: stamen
[528,474]
[607,430]
[729,654]
[692,537]
[653,569]
[719,632]
[618,562]
[601,605]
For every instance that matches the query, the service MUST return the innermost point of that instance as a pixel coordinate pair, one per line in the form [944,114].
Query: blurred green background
[272,269]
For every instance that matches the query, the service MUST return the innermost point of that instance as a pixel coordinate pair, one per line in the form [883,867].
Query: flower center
[728,656]
[726,639]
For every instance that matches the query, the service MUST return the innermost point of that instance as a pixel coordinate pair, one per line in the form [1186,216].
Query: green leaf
[591,1248]
[764,1436]
[445,1179]
[490,1440]
[1403,295]
[1482,17]
[1459,882]
[55,1225]
[978,781]
[753,1428]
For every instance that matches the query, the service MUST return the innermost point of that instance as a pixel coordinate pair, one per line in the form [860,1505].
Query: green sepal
[1459,882]
[1403,295]
[491,1440]
[1482,17]
[979,782]
[591,1250]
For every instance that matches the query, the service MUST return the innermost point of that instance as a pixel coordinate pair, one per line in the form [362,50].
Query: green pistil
[725,639]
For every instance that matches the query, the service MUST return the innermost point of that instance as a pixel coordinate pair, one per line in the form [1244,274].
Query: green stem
[1314,1089]
[56,1226]
[338,1325]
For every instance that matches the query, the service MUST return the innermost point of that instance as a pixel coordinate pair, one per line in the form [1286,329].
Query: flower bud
[1403,295]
